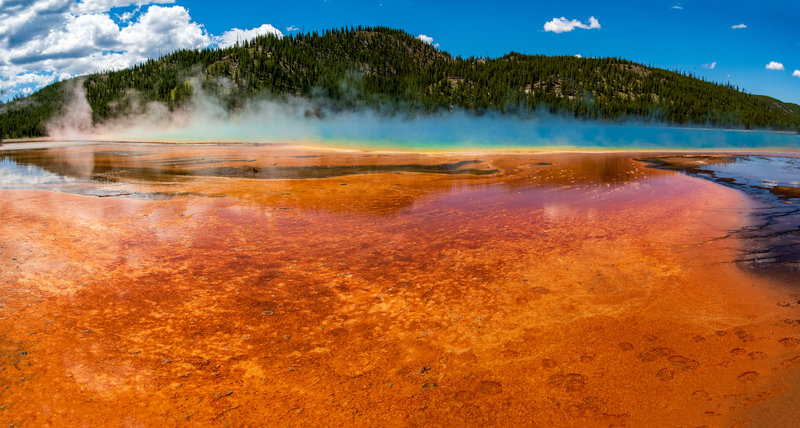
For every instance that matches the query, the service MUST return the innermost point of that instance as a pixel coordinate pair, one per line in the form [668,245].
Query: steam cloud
[298,120]
[75,121]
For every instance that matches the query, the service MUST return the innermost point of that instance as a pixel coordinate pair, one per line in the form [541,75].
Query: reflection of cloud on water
[764,171]
[553,211]
[561,211]
[79,162]
[26,176]
[14,174]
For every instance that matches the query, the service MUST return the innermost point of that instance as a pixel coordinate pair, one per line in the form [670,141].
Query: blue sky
[692,35]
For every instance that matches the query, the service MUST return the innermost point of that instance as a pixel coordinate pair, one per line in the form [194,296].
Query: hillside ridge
[395,73]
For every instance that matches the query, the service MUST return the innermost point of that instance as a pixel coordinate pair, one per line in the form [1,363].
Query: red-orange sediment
[590,292]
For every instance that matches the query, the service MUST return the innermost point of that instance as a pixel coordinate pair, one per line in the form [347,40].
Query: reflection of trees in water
[78,164]
[571,169]
[281,185]
[114,165]
[390,194]
[19,174]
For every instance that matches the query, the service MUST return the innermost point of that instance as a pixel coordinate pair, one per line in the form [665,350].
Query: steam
[297,120]
[75,120]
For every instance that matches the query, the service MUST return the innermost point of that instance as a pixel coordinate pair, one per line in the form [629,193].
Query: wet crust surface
[567,290]
[772,240]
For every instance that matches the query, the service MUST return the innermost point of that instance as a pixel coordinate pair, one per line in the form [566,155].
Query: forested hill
[394,72]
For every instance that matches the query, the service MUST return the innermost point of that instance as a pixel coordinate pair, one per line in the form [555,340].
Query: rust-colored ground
[568,290]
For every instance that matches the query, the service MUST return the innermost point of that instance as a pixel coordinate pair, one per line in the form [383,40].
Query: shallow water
[773,238]
[29,176]
[140,162]
[13,174]
[764,172]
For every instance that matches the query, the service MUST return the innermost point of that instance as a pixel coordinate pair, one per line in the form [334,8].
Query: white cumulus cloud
[127,16]
[90,6]
[292,28]
[234,35]
[711,66]
[796,73]
[677,7]
[161,30]
[738,26]
[46,40]
[28,80]
[564,25]
[428,40]
[774,66]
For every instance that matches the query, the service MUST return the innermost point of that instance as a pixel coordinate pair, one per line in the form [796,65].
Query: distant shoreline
[46,142]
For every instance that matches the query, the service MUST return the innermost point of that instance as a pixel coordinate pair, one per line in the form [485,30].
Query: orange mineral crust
[527,289]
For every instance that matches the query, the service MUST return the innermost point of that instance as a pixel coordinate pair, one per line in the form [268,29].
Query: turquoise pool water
[453,131]
[511,134]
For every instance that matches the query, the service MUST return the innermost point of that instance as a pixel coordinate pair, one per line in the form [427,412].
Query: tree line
[393,72]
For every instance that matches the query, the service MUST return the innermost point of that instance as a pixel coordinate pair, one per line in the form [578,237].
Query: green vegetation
[27,117]
[393,72]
